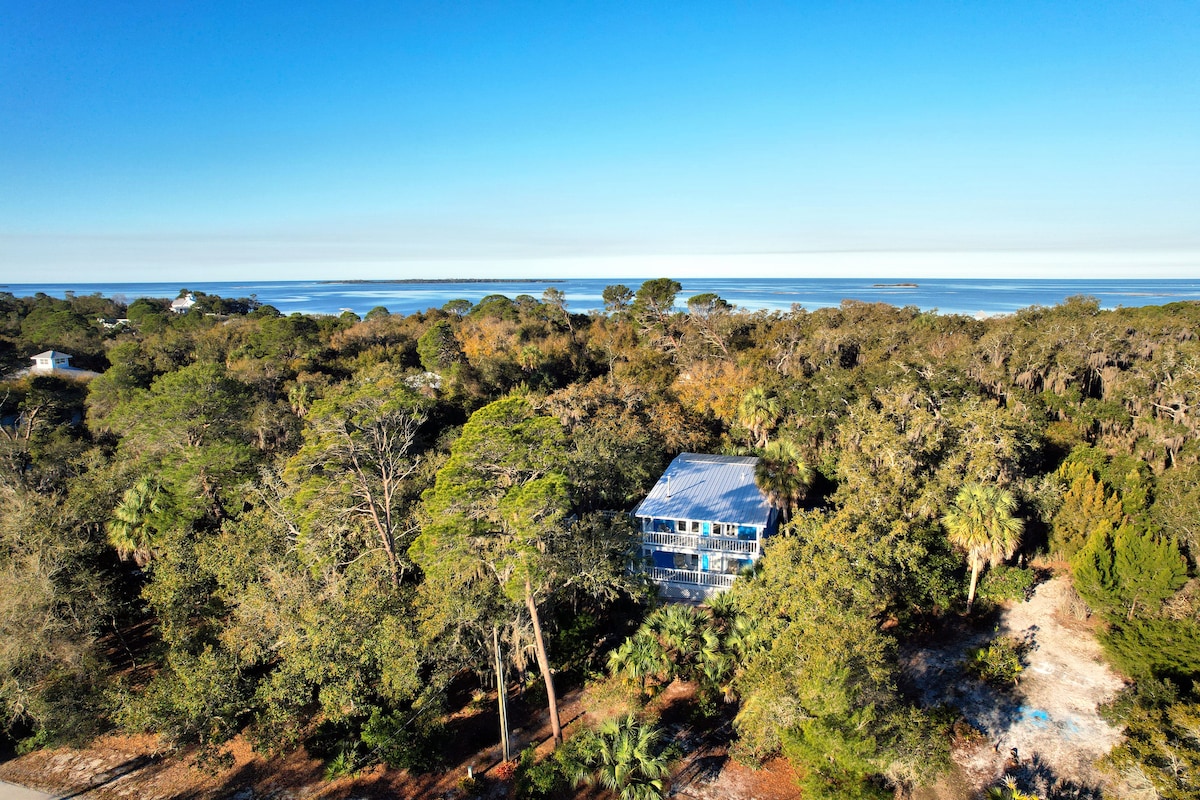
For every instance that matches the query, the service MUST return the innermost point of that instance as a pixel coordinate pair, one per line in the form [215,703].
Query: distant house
[702,523]
[182,305]
[55,363]
[428,381]
[50,361]
[112,322]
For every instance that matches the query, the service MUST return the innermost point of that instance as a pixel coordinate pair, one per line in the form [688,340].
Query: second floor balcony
[697,542]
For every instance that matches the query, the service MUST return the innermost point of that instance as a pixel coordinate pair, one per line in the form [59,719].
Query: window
[681,526]
[686,561]
[695,526]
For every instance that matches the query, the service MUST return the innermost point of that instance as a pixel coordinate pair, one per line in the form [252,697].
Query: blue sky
[220,140]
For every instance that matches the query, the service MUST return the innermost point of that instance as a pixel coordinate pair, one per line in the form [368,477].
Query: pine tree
[1086,506]
[495,506]
[1119,572]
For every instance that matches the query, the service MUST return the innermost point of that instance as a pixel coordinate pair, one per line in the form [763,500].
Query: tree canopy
[279,524]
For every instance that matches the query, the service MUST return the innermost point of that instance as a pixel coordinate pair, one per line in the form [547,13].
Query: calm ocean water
[947,296]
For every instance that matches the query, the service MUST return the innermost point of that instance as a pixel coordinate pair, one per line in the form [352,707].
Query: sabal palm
[714,666]
[729,623]
[722,609]
[639,657]
[783,476]
[982,524]
[680,629]
[743,637]
[758,412]
[627,759]
[1009,791]
[131,530]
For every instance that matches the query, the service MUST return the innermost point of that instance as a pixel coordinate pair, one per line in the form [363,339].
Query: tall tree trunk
[544,664]
[974,579]
[501,694]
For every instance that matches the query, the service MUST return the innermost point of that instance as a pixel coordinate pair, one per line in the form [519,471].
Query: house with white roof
[52,362]
[183,304]
[702,524]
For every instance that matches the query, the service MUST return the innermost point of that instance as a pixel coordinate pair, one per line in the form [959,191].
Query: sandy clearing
[10,791]
[1051,717]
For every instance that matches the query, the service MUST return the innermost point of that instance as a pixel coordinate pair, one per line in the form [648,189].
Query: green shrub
[1000,662]
[837,757]
[344,763]
[1159,745]
[36,741]
[1163,648]
[541,780]
[405,740]
[1003,583]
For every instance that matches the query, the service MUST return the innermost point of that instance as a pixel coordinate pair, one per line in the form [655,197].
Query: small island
[894,285]
[445,280]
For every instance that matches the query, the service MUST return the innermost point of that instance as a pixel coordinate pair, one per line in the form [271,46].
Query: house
[424,382]
[702,523]
[183,304]
[50,361]
[57,364]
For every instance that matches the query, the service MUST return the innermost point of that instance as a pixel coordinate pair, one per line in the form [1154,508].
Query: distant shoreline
[444,280]
[967,296]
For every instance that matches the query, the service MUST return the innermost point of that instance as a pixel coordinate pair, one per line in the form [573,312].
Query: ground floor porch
[689,584]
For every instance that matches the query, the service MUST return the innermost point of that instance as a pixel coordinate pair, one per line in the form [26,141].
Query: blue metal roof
[709,488]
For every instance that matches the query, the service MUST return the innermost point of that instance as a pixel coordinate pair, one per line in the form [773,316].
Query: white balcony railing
[691,541]
[716,579]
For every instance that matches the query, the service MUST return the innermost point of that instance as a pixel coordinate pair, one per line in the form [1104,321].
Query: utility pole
[501,694]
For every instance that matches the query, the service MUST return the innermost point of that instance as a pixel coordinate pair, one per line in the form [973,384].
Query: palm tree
[981,522]
[783,476]
[623,755]
[680,630]
[758,412]
[722,609]
[639,657]
[714,668]
[131,530]
[1009,791]
[743,636]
